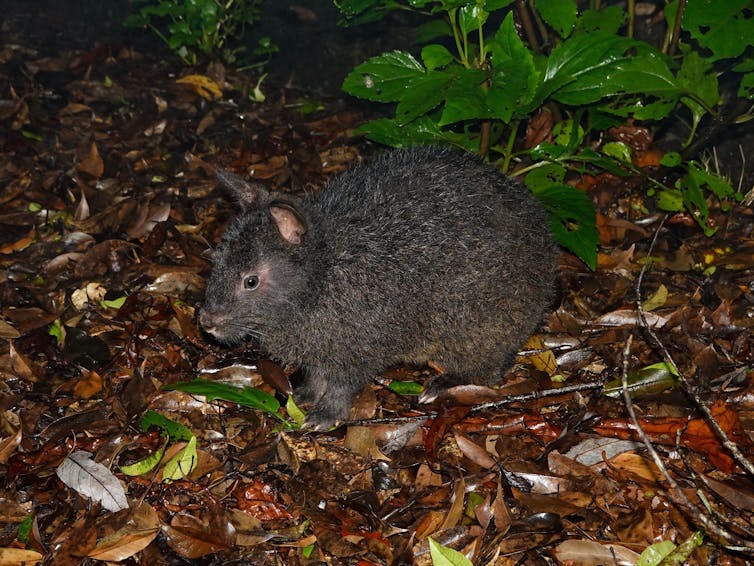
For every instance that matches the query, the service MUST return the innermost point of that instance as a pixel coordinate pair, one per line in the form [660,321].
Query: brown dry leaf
[88,385]
[20,365]
[359,439]
[82,209]
[544,360]
[637,465]
[454,514]
[193,538]
[140,530]
[21,244]
[425,478]
[293,451]
[147,216]
[737,492]
[429,524]
[19,557]
[90,163]
[695,434]
[261,500]
[7,332]
[501,511]
[539,127]
[473,451]
[9,444]
[591,553]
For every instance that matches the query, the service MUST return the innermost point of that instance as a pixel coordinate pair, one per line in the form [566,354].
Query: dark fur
[421,254]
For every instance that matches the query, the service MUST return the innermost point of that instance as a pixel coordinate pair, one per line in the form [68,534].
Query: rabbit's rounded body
[419,255]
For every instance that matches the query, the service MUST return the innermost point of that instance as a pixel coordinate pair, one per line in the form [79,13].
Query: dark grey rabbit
[423,254]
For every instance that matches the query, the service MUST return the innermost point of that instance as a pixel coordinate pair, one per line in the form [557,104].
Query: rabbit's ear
[248,195]
[290,225]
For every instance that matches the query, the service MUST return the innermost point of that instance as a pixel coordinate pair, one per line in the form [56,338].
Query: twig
[676,493]
[537,395]
[508,400]
[727,442]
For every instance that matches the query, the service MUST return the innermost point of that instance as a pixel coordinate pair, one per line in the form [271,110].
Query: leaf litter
[108,216]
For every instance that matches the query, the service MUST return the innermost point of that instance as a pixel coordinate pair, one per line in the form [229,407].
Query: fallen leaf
[92,480]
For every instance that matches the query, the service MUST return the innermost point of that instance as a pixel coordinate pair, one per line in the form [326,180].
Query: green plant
[475,86]
[196,27]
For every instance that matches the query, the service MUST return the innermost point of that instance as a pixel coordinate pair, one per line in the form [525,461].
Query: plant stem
[525,16]
[509,146]
[459,46]
[482,56]
[631,15]
[677,27]
[484,138]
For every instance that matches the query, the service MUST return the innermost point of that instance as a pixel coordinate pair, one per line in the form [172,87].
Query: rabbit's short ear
[248,195]
[290,225]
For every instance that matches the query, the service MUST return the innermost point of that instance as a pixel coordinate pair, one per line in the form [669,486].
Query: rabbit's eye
[251,282]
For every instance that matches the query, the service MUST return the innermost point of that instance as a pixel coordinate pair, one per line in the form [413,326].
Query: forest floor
[108,217]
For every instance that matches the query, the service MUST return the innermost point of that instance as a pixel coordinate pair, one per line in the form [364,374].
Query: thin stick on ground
[735,543]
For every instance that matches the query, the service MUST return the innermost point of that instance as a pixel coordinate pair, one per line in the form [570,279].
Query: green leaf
[746,88]
[146,465]
[542,177]
[492,5]
[578,55]
[24,528]
[421,131]
[560,15]
[670,200]
[176,431]
[246,396]
[671,159]
[725,28]
[425,94]
[716,184]
[465,98]
[618,150]
[572,220]
[432,30]
[435,56]
[405,387]
[568,133]
[294,412]
[471,17]
[514,78]
[385,78]
[443,556]
[113,303]
[649,380]
[607,19]
[182,464]
[645,73]
[654,554]
[697,77]
[57,331]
